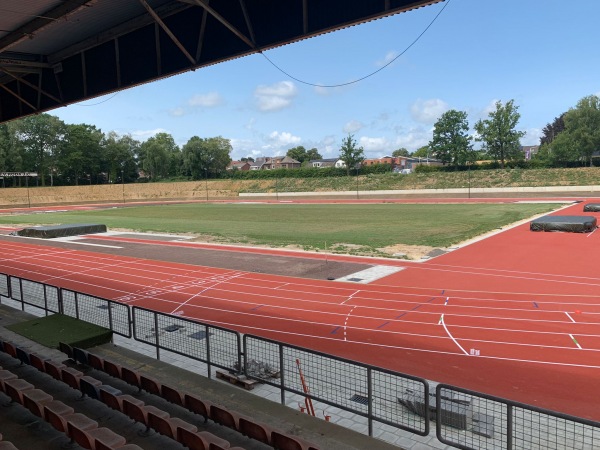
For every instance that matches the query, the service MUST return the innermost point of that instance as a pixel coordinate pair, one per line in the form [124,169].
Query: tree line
[73,154]
[570,140]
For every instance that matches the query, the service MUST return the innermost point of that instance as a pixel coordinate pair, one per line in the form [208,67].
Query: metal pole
[469,172]
[123,185]
[206,182]
[357,182]
[27,185]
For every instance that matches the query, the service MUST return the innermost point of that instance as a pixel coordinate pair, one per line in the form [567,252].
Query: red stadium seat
[168,426]
[150,385]
[225,417]
[112,369]
[96,438]
[54,369]
[172,395]
[255,430]
[197,405]
[71,377]
[113,398]
[6,375]
[286,442]
[35,399]
[37,361]
[14,389]
[131,377]
[95,361]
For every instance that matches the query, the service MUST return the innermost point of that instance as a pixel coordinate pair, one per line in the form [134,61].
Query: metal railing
[463,419]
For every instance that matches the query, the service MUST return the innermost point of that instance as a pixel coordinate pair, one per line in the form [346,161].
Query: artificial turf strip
[310,226]
[51,330]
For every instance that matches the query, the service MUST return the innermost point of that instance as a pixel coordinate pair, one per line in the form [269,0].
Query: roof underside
[57,52]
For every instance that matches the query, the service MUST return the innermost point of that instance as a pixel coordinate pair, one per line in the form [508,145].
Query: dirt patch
[410,251]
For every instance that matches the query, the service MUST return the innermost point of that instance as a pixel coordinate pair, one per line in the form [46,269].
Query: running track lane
[404,333]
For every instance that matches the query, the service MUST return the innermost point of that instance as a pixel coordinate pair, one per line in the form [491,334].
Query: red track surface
[515,315]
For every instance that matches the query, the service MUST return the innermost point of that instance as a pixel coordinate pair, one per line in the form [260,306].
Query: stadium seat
[66,349]
[150,385]
[95,438]
[95,361]
[113,398]
[225,417]
[54,410]
[54,368]
[168,426]
[197,405]
[131,377]
[14,389]
[35,399]
[172,395]
[281,441]
[199,440]
[112,369]
[60,421]
[139,413]
[6,375]
[255,430]
[70,376]
[7,445]
[38,361]
[80,356]
[10,349]
[90,386]
[22,355]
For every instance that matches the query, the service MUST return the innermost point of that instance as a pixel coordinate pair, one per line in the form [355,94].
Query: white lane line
[592,232]
[452,337]
[569,316]
[350,297]
[346,321]
[575,341]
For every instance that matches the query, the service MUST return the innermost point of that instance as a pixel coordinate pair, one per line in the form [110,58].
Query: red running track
[515,315]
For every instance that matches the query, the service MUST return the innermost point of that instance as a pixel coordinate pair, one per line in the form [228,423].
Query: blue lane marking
[335,330]
[403,314]
[431,299]
[443,290]
[535,304]
[382,325]
[259,306]
[416,307]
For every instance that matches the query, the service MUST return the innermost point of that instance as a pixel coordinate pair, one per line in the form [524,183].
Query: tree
[553,129]
[40,136]
[583,125]
[352,155]
[300,154]
[498,134]
[119,155]
[400,152]
[160,156]
[422,152]
[202,157]
[77,154]
[451,142]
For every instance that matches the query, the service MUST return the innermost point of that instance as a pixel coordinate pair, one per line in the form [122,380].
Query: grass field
[358,229]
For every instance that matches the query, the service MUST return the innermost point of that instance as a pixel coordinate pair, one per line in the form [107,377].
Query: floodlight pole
[206,182]
[28,197]
[123,184]
[469,174]
[356,181]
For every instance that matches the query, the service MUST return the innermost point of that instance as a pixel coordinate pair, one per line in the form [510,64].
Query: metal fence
[210,344]
[463,418]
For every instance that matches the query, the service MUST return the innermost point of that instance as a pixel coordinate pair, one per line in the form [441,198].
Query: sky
[543,54]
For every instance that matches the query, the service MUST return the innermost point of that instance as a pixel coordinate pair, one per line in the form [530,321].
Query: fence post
[207,334]
[370,396]
[509,427]
[282,374]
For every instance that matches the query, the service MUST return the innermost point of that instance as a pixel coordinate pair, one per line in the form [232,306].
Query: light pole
[123,183]
[206,182]
[356,180]
[469,176]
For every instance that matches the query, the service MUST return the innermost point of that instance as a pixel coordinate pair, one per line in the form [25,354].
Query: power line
[370,74]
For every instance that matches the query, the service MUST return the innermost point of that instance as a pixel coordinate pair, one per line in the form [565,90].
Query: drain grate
[172,328]
[200,335]
[360,399]
[355,279]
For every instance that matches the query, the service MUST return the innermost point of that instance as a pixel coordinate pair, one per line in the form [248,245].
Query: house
[275,162]
[328,162]
[529,150]
[239,165]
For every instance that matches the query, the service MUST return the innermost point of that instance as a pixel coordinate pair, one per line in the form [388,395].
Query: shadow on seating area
[108,397]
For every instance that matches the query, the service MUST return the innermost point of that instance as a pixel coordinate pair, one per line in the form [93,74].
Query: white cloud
[143,135]
[532,136]
[283,139]
[388,58]
[177,112]
[208,100]
[375,144]
[353,126]
[276,96]
[428,111]
[413,139]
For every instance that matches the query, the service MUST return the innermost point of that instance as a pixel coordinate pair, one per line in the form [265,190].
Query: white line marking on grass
[452,337]
[575,340]
[569,316]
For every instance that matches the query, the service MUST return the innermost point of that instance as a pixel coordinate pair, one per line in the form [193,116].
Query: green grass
[308,226]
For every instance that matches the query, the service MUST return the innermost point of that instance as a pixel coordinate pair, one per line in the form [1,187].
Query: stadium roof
[57,52]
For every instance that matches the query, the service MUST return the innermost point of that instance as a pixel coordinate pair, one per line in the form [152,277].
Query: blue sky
[541,53]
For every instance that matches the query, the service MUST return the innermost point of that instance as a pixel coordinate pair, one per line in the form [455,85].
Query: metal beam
[166,29]
[40,22]
[31,85]
[220,18]
[18,96]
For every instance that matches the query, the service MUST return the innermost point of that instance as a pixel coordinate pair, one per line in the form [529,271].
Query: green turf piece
[51,330]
